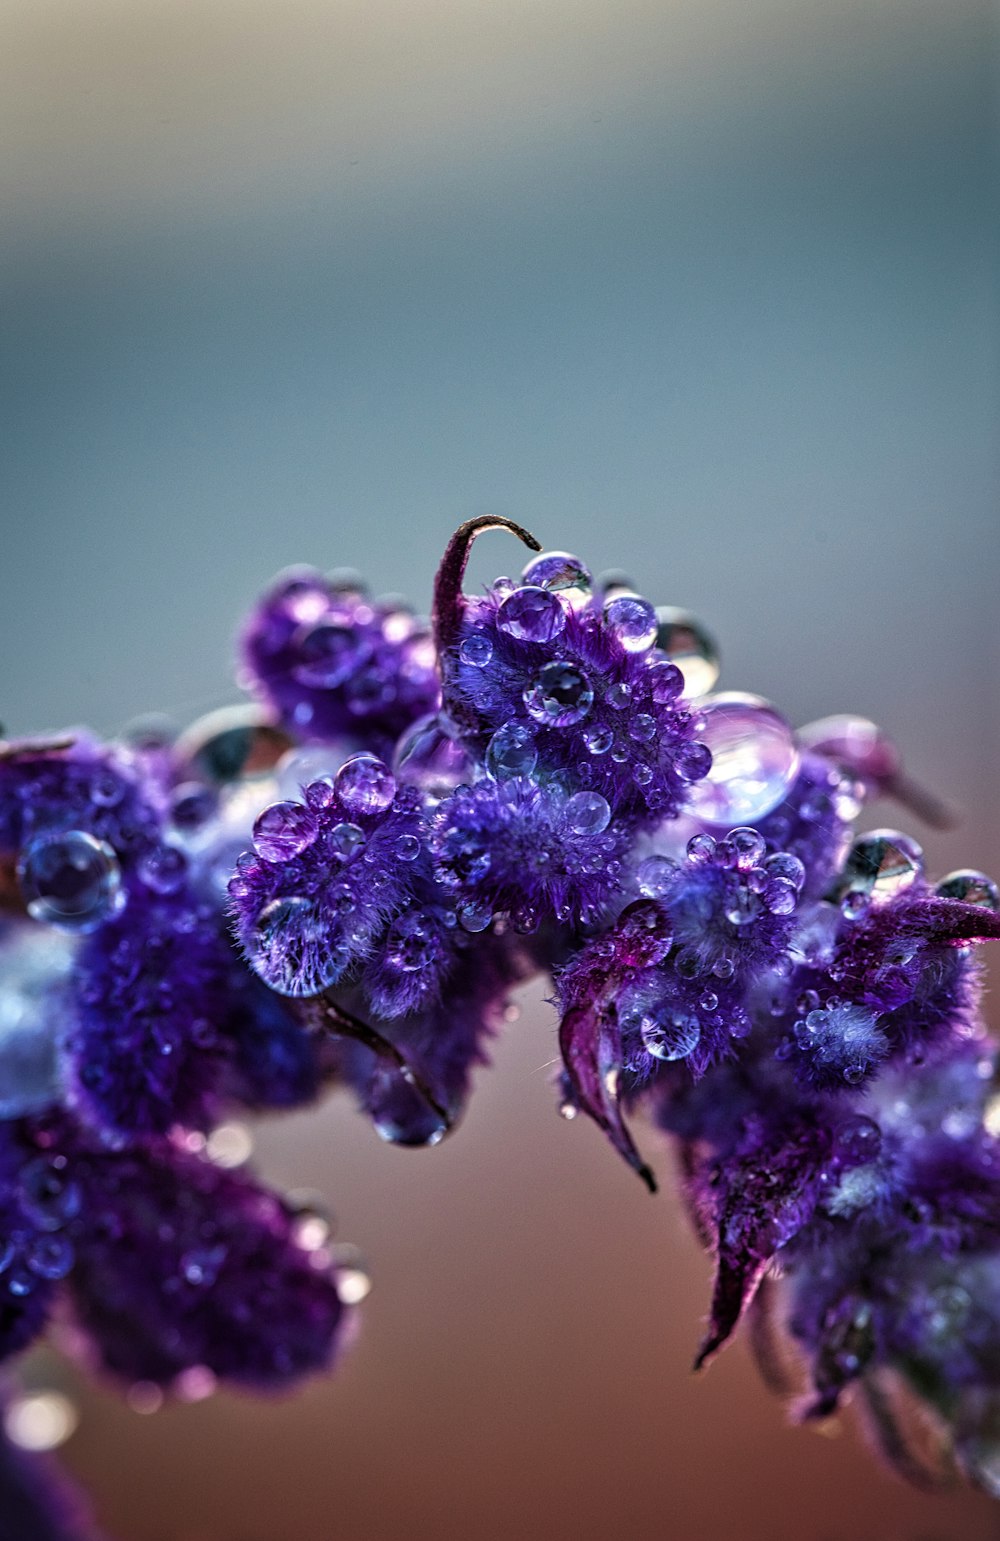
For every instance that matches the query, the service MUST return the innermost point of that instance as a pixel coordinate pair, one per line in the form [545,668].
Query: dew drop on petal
[407,847]
[879,866]
[531,614]
[474,917]
[283,831]
[558,570]
[365,784]
[290,949]
[559,695]
[431,757]
[598,739]
[476,649]
[971,888]
[632,621]
[587,813]
[655,876]
[754,760]
[71,880]
[164,869]
[511,752]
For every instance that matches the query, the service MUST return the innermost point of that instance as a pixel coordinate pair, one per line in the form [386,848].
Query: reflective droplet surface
[754,760]
[511,752]
[879,866]
[558,570]
[365,784]
[411,942]
[231,743]
[291,951]
[632,621]
[326,654]
[598,740]
[531,614]
[474,917]
[70,880]
[476,649]
[283,831]
[655,876]
[401,1113]
[587,813]
[971,888]
[559,695]
[431,756]
[688,645]
[164,869]
[667,1030]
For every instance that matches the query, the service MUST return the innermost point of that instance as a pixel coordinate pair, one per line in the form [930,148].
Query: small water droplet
[688,645]
[587,813]
[560,571]
[71,880]
[879,866]
[511,752]
[476,649]
[971,888]
[632,621]
[656,876]
[283,831]
[164,869]
[559,695]
[598,739]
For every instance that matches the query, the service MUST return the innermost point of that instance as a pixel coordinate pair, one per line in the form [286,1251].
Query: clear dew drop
[632,621]
[598,739]
[476,649]
[474,917]
[401,1113]
[164,869]
[560,571]
[559,695]
[511,752]
[587,813]
[326,654]
[283,831]
[290,949]
[754,760]
[655,876]
[688,645]
[365,784]
[531,614]
[431,757]
[879,866]
[971,888]
[71,880]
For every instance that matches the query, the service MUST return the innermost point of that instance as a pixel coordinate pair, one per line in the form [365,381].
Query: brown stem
[330,1017]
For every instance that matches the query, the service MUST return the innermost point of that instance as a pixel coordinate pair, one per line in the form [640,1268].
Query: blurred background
[702,289]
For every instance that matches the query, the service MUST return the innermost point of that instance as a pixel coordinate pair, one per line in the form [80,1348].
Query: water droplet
[431,756]
[701,848]
[619,695]
[531,614]
[326,654]
[688,645]
[879,866]
[344,840]
[785,866]
[48,1196]
[559,695]
[283,831]
[164,869]
[511,752]
[71,880]
[365,784]
[754,760]
[401,1113]
[560,571]
[780,896]
[693,762]
[474,917]
[407,847]
[192,805]
[665,681]
[971,888]
[655,876]
[588,813]
[598,739]
[476,649]
[748,846]
[667,1030]
[291,950]
[50,1256]
[106,787]
[232,743]
[632,621]
[411,942]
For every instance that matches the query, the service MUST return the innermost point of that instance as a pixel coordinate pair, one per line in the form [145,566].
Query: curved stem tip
[448,608]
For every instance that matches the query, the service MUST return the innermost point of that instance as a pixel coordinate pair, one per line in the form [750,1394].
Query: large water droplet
[531,614]
[291,951]
[401,1113]
[560,571]
[587,813]
[668,1030]
[326,654]
[879,866]
[431,756]
[559,695]
[971,888]
[231,743]
[754,760]
[632,621]
[71,880]
[511,752]
[365,784]
[687,644]
[476,649]
[283,831]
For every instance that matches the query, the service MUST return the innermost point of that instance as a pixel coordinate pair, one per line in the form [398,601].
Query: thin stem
[341,1023]
[449,606]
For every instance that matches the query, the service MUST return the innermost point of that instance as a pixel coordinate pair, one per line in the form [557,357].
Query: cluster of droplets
[39,1205]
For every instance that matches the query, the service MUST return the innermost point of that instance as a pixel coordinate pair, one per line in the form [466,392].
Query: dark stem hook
[448,610]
